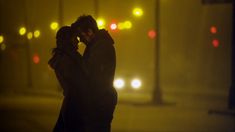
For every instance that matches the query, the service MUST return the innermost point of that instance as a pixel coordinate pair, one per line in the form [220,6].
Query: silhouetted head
[66,39]
[85,27]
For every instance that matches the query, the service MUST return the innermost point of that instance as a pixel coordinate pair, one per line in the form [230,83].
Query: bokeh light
[3,46]
[36,59]
[36,33]
[215,43]
[101,23]
[128,24]
[152,34]
[137,12]
[29,35]
[121,26]
[213,29]
[54,25]
[22,31]
[1,39]
[119,83]
[113,26]
[136,84]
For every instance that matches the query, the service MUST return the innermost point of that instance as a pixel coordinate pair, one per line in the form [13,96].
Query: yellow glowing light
[3,46]
[101,23]
[121,26]
[136,84]
[128,24]
[119,83]
[1,38]
[54,25]
[137,12]
[29,35]
[22,31]
[36,33]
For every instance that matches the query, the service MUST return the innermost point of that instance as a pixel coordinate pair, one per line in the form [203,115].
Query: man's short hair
[85,22]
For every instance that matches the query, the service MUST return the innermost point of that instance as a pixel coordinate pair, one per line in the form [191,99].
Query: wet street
[38,114]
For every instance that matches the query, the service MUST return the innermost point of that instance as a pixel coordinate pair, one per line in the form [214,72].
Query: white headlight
[119,83]
[136,83]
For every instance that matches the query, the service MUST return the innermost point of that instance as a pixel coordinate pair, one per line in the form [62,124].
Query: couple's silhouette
[87,81]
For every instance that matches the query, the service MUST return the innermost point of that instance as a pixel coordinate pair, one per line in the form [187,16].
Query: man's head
[85,27]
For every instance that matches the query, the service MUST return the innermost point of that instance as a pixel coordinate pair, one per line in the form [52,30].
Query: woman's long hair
[63,39]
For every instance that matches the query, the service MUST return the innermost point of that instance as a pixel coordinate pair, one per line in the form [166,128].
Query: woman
[66,62]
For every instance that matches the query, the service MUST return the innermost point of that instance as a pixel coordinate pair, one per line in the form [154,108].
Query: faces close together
[86,37]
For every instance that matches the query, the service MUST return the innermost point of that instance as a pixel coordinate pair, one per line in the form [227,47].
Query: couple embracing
[87,80]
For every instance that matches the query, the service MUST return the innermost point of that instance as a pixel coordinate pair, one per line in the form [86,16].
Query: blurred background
[174,63]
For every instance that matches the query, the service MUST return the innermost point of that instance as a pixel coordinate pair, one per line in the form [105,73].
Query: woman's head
[66,39]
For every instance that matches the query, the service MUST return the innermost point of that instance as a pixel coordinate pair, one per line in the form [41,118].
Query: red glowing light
[215,43]
[36,58]
[213,29]
[152,34]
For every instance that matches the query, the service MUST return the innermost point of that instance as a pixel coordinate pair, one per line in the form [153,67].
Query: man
[99,62]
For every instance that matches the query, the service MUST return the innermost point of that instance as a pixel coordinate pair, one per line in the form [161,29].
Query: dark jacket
[68,70]
[100,63]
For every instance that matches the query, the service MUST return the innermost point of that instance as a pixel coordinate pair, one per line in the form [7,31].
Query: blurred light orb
[100,23]
[137,12]
[54,25]
[1,39]
[29,35]
[22,31]
[113,26]
[119,83]
[213,29]
[3,46]
[136,84]
[152,34]
[121,26]
[36,59]
[36,33]
[128,24]
[215,43]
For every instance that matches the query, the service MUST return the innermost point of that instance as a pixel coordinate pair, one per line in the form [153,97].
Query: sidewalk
[39,113]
